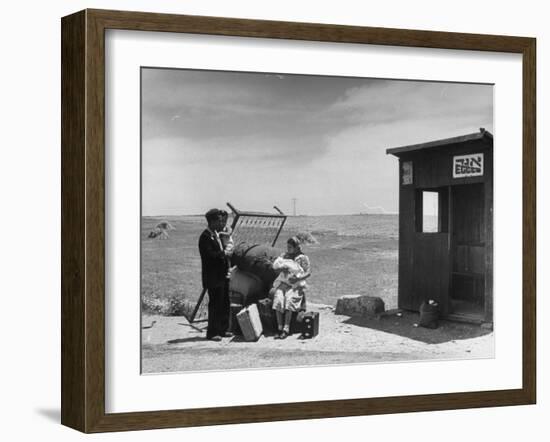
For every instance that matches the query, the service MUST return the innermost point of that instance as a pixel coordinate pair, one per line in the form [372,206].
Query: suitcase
[267,316]
[250,323]
[296,322]
[310,325]
[233,323]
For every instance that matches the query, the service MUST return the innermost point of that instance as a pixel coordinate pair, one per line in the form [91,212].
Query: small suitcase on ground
[250,323]
[267,315]
[310,325]
[233,323]
[296,322]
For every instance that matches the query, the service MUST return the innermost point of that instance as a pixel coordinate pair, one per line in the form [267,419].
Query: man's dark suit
[214,279]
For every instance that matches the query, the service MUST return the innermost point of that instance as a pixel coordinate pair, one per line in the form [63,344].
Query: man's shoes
[216,338]
[227,335]
[283,335]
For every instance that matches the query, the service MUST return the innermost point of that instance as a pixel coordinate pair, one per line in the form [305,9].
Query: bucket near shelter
[429,314]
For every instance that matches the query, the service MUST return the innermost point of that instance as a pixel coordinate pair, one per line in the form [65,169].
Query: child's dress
[289,296]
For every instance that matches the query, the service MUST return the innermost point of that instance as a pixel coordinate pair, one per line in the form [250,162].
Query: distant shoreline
[289,216]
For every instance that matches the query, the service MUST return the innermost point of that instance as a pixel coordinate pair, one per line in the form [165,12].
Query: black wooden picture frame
[83,219]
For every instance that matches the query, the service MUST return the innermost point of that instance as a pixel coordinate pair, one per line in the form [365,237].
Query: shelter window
[432,208]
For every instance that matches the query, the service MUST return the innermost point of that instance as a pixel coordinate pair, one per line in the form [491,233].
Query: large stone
[359,305]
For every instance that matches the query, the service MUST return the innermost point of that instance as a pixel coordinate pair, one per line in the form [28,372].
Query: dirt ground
[355,255]
[172,345]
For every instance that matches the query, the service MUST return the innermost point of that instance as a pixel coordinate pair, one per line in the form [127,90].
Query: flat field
[354,254]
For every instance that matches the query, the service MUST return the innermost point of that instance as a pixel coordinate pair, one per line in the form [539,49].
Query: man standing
[215,270]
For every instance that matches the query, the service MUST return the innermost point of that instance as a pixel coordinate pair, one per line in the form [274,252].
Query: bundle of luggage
[252,313]
[256,319]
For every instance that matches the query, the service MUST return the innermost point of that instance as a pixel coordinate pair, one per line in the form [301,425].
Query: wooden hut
[446,225]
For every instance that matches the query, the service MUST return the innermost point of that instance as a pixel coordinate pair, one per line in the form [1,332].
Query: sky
[259,140]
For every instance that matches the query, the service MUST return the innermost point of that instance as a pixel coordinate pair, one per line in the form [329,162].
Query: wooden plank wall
[406,234]
[431,269]
[489,237]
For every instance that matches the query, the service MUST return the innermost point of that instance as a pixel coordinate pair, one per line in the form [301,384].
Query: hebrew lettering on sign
[468,165]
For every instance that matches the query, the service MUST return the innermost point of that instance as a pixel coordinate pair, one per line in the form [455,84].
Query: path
[171,345]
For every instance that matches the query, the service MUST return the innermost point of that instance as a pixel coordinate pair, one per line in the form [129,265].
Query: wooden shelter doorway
[431,265]
[468,251]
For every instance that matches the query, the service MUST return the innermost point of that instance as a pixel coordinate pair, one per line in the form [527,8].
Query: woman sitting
[289,287]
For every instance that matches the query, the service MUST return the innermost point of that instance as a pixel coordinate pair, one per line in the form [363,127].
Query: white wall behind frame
[29,179]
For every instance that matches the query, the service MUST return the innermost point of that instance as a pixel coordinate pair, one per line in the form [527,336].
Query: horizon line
[289,216]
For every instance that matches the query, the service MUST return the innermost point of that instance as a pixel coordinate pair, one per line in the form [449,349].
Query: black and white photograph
[306,220]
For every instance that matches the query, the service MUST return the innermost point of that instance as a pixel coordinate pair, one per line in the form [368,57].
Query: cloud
[214,104]
[259,140]
[398,101]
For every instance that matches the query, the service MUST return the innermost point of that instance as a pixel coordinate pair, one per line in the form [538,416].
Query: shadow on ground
[184,340]
[404,326]
[51,414]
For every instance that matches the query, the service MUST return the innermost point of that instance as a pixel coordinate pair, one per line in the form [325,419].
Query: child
[288,268]
[290,285]
[225,234]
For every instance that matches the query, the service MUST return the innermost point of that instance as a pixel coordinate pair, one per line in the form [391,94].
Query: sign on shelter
[468,165]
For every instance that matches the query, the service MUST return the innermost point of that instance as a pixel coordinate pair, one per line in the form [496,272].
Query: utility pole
[294,206]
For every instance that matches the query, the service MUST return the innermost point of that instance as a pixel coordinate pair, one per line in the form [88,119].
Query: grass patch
[166,304]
